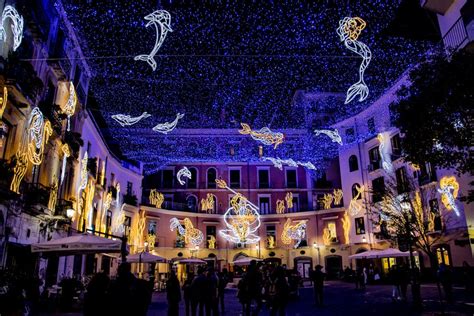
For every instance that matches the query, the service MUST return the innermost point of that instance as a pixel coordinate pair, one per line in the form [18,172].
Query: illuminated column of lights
[292,233]
[332,134]
[327,201]
[211,243]
[3,102]
[192,236]
[84,178]
[183,173]
[167,127]
[354,205]
[53,194]
[346,226]
[386,162]
[263,135]
[326,236]
[156,198]
[70,107]
[242,219]
[106,203]
[337,193]
[16,19]
[66,153]
[136,234]
[280,206]
[449,190]
[19,171]
[87,212]
[289,200]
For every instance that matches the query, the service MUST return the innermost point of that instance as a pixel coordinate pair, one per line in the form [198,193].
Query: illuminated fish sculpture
[334,135]
[191,235]
[349,30]
[183,173]
[127,120]
[263,135]
[11,13]
[167,127]
[161,19]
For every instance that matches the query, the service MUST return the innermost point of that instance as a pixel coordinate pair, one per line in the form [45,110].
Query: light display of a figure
[263,135]
[183,173]
[11,13]
[167,127]
[127,120]
[449,190]
[192,236]
[292,233]
[332,134]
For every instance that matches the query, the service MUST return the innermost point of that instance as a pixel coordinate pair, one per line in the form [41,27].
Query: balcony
[457,37]
[437,6]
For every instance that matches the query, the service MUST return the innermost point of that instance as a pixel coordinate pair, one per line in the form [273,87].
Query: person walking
[318,282]
[254,282]
[404,279]
[173,294]
[394,280]
[279,291]
[187,293]
[199,293]
[243,294]
[96,294]
[223,281]
[446,279]
[212,306]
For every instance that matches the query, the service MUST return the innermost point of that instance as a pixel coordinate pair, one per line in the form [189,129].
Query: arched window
[192,183]
[443,255]
[353,163]
[211,178]
[191,202]
[355,192]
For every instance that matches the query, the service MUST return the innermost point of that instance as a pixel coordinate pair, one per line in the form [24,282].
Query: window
[355,192]
[396,146]
[211,178]
[167,178]
[350,135]
[168,202]
[378,188]
[353,163]
[263,178]
[359,226]
[234,175]
[291,178]
[332,231]
[264,204]
[129,188]
[296,206]
[442,254]
[402,180]
[191,203]
[271,231]
[374,158]
[210,232]
[192,183]
[371,125]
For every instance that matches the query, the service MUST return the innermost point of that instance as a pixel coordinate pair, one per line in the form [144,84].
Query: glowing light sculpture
[161,19]
[127,120]
[191,235]
[207,204]
[278,163]
[3,102]
[87,214]
[118,220]
[346,226]
[70,106]
[349,30]
[326,236]
[270,242]
[280,207]
[84,178]
[117,188]
[151,240]
[289,200]
[66,153]
[211,242]
[107,201]
[295,232]
[354,205]
[337,196]
[241,219]
[183,173]
[332,134]
[327,201]
[53,194]
[308,165]
[156,198]
[263,135]
[39,132]
[19,171]
[11,13]
[386,162]
[449,190]
[167,127]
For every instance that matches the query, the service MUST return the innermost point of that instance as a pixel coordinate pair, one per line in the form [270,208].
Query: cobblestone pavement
[343,299]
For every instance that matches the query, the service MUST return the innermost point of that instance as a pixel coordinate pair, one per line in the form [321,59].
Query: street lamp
[145,244]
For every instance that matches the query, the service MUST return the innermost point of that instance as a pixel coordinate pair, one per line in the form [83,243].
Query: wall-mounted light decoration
[211,242]
[263,135]
[349,30]
[127,120]
[156,198]
[326,236]
[89,193]
[19,171]
[292,233]
[337,193]
[241,218]
[70,106]
[327,201]
[280,206]
[102,173]
[151,240]
[289,200]
[207,204]
[11,13]
[192,236]
[39,132]
[270,242]
[167,127]
[449,190]
[84,177]
[66,153]
[346,226]
[354,205]
[278,163]
[183,173]
[431,222]
[3,101]
[161,19]
[386,162]
[332,134]
[117,189]
[53,194]
[118,221]
[137,233]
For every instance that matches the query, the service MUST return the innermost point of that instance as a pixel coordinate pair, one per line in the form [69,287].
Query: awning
[78,244]
[245,261]
[145,257]
[386,253]
[191,261]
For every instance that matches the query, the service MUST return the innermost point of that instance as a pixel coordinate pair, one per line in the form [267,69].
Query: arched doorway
[333,266]
[303,265]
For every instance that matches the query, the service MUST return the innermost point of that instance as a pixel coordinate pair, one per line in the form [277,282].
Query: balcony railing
[456,37]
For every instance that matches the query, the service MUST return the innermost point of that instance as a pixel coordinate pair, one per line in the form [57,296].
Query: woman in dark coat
[173,294]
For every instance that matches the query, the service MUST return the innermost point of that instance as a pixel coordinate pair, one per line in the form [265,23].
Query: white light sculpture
[39,132]
[307,165]
[293,232]
[386,162]
[354,205]
[183,172]
[117,187]
[83,183]
[333,134]
[161,19]
[449,190]
[167,127]
[349,30]
[66,153]
[191,235]
[118,221]
[11,13]
[278,163]
[263,135]
[70,106]
[241,219]
[127,120]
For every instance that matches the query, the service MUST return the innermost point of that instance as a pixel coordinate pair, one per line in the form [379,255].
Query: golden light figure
[138,228]
[292,233]
[19,171]
[354,26]
[327,201]
[192,236]
[117,222]
[211,242]
[53,194]
[280,207]
[264,135]
[289,200]
[449,189]
[354,205]
[346,226]
[107,201]
[207,204]
[89,192]
[151,240]
[70,107]
[431,222]
[156,198]
[337,193]
[326,236]
[3,101]
[270,242]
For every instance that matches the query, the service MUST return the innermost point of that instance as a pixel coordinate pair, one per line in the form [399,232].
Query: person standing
[212,305]
[446,279]
[395,281]
[254,282]
[173,294]
[318,282]
[223,281]
[187,293]
[404,279]
[199,293]
[280,293]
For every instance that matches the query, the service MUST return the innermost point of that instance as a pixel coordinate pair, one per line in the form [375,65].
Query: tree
[435,112]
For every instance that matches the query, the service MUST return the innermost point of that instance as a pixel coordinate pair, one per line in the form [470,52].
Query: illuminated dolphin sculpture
[183,172]
[10,12]
[126,120]
[161,19]
[167,127]
[349,30]
[334,135]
